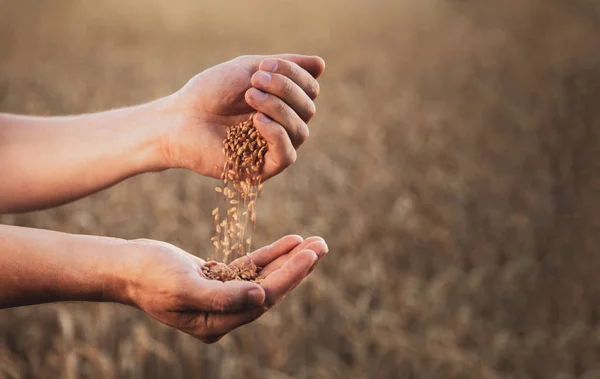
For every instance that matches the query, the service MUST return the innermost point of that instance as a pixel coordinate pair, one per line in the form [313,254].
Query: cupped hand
[168,284]
[279,88]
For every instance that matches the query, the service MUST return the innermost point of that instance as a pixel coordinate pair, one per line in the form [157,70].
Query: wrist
[119,273]
[181,141]
[156,122]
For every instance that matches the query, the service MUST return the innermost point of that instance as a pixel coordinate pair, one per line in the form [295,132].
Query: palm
[174,291]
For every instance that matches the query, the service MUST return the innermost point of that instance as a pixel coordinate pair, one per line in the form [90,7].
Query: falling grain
[244,149]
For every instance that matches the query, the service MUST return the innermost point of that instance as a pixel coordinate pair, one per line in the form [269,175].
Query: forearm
[39,266]
[48,161]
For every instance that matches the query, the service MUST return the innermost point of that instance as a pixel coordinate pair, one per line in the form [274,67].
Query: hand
[169,285]
[281,88]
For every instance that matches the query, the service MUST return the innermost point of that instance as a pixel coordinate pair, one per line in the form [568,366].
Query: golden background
[452,168]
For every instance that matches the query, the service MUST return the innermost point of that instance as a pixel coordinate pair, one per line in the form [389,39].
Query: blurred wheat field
[452,168]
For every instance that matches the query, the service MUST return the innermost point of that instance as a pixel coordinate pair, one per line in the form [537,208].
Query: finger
[280,112]
[212,327]
[313,64]
[280,282]
[288,91]
[316,244]
[281,153]
[294,72]
[265,255]
[321,255]
[277,263]
[216,296]
[319,247]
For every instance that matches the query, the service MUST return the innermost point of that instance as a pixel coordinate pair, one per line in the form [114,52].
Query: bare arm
[39,266]
[47,161]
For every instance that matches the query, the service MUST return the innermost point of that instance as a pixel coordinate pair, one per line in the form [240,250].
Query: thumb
[233,296]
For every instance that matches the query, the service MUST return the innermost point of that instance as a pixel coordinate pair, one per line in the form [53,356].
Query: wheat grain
[244,149]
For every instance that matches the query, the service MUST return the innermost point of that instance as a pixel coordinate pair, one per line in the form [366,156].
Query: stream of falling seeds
[244,150]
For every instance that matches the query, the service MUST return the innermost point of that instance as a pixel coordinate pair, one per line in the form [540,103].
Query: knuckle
[288,158]
[280,134]
[303,132]
[311,110]
[313,88]
[278,106]
[288,68]
[287,87]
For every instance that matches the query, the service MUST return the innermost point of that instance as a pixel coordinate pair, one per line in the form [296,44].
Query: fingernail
[258,94]
[269,65]
[256,297]
[262,78]
[261,117]
[315,257]
[314,264]
[324,250]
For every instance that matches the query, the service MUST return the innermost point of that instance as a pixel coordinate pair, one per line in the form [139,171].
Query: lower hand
[167,283]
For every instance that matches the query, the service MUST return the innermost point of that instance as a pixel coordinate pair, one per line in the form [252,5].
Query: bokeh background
[453,168]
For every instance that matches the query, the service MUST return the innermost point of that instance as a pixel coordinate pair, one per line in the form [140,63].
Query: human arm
[41,266]
[47,161]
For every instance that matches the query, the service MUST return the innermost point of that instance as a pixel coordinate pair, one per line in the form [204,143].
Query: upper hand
[167,283]
[280,88]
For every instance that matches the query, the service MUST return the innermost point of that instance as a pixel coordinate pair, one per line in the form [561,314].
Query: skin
[48,161]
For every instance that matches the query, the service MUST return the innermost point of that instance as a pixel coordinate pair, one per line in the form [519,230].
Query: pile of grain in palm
[245,151]
[220,271]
